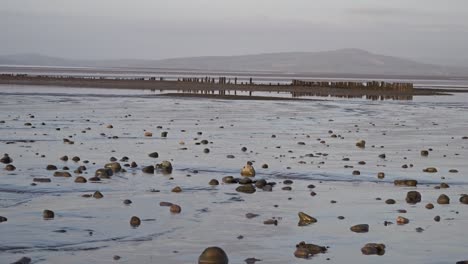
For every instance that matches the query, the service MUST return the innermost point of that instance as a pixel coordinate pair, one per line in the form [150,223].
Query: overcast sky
[154,29]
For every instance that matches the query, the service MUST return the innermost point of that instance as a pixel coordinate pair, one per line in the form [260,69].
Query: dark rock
[430,170]
[407,183]
[443,199]
[424,153]
[3,219]
[288,182]
[429,206]
[382,156]
[168,204]
[213,255]
[98,195]
[164,167]
[267,188]
[390,201]
[260,183]
[437,218]
[305,219]
[80,179]
[230,156]
[64,158]
[154,155]
[464,199]
[413,197]
[76,159]
[42,180]
[251,260]
[127,202]
[229,180]
[51,167]
[251,215]
[104,173]
[361,144]
[380,175]
[94,179]
[245,180]
[134,165]
[23,260]
[356,173]
[148,169]
[304,250]
[10,167]
[177,189]
[373,249]
[270,222]
[114,166]
[175,209]
[213,182]
[402,220]
[265,166]
[6,159]
[247,188]
[206,150]
[62,174]
[135,221]
[362,228]
[48,214]
[287,188]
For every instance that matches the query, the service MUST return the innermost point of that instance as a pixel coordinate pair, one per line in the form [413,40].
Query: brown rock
[430,170]
[80,179]
[10,167]
[135,221]
[361,144]
[413,197]
[443,199]
[62,174]
[248,171]
[177,189]
[98,195]
[175,209]
[407,183]
[373,249]
[48,214]
[213,255]
[429,206]
[305,219]
[362,228]
[402,220]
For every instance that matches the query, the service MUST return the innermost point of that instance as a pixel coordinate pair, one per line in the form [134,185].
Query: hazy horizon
[424,30]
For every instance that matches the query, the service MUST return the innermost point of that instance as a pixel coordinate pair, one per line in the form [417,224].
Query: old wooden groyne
[371,85]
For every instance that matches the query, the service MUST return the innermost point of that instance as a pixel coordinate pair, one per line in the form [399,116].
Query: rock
[462,262]
[148,134]
[134,165]
[270,222]
[165,167]
[444,185]
[413,197]
[430,170]
[148,169]
[464,199]
[287,188]
[80,179]
[248,188]
[437,218]
[362,228]
[3,219]
[104,173]
[135,221]
[453,171]
[213,255]
[390,201]
[109,126]
[248,171]
[402,220]
[424,153]
[380,175]
[265,166]
[127,202]
[114,166]
[64,158]
[76,159]
[260,183]
[175,209]
[213,182]
[51,167]
[164,134]
[304,250]
[305,219]
[429,206]
[6,159]
[361,144]
[382,156]
[98,195]
[251,215]
[251,260]
[10,167]
[287,182]
[206,150]
[42,180]
[230,156]
[23,260]
[116,257]
[229,180]
[153,155]
[443,199]
[244,181]
[267,188]
[168,204]
[177,189]
[373,249]
[94,179]
[48,214]
[407,183]
[356,173]
[62,174]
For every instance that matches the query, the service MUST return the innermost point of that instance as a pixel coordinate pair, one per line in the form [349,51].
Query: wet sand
[95,230]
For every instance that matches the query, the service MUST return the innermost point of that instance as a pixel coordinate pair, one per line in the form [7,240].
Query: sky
[155,29]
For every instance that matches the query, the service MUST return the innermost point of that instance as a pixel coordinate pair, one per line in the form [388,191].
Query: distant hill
[344,61]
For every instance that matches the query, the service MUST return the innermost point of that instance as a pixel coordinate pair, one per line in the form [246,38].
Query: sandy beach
[304,150]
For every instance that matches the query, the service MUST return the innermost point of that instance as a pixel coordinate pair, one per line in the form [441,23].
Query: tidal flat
[305,150]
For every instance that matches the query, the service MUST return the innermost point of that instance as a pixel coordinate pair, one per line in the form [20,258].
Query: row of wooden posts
[372,85]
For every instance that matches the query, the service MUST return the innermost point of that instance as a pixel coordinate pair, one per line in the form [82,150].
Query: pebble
[213,255]
[10,167]
[429,206]
[48,214]
[406,183]
[305,219]
[3,219]
[177,189]
[362,228]
[213,182]
[175,209]
[62,174]
[443,199]
[80,179]
[413,197]
[402,220]
[248,171]
[247,188]
[135,221]
[373,249]
[98,195]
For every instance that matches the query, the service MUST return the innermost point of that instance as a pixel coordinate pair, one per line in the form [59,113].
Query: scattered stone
[406,183]
[356,173]
[10,167]
[444,185]
[390,201]
[229,180]
[248,171]
[251,260]
[98,195]
[42,180]
[114,166]
[6,159]
[213,255]
[175,209]
[48,214]
[419,229]
[164,167]
[62,174]
[116,257]
[64,158]
[373,249]
[361,144]
[247,188]
[286,188]
[305,219]
[304,250]
[464,199]
[153,155]
[23,260]
[437,218]
[251,215]
[164,134]
[80,179]
[244,180]
[135,221]
[443,199]
[265,166]
[362,228]
[270,222]
[380,175]
[413,197]
[429,206]
[424,153]
[267,188]
[51,167]
[127,202]
[168,204]
[104,173]
[148,169]
[76,159]
[453,171]
[148,134]
[94,179]
[177,189]
[430,170]
[3,219]
[260,183]
[402,220]
[213,182]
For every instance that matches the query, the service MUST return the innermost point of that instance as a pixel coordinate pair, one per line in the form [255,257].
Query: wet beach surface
[309,142]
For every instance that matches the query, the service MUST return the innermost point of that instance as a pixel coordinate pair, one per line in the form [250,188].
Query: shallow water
[91,230]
